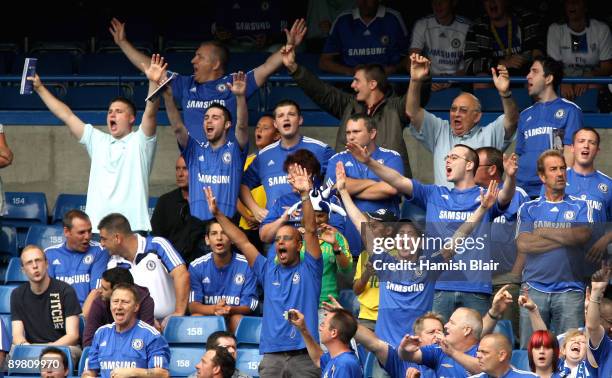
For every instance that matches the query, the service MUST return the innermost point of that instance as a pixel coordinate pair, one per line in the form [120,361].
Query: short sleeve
[420,193]
[195,285]
[430,355]
[251,177]
[259,269]
[605,52]
[248,296]
[98,268]
[178,87]
[327,154]
[418,35]
[525,220]
[330,174]
[333,43]
[430,131]
[324,360]
[93,358]
[573,124]
[396,163]
[88,139]
[158,353]
[168,255]
[251,83]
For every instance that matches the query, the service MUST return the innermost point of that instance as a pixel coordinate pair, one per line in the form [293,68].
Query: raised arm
[501,79]
[509,188]
[302,182]
[238,88]
[537,323]
[501,301]
[355,215]
[154,72]
[419,71]
[234,233]
[487,199]
[138,59]
[176,122]
[599,283]
[389,175]
[314,349]
[275,61]
[58,108]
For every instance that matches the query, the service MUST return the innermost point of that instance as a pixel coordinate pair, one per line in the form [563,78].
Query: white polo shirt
[119,176]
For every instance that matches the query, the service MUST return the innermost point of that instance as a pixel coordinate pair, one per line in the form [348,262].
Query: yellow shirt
[259,194]
[369,297]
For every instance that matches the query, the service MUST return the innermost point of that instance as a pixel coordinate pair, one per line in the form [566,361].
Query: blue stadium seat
[66,202]
[184,360]
[24,210]
[10,99]
[588,101]
[369,365]
[14,274]
[8,241]
[45,236]
[151,206]
[179,61]
[49,63]
[26,355]
[6,319]
[5,298]
[246,61]
[505,328]
[248,361]
[94,97]
[278,93]
[109,64]
[491,102]
[520,359]
[442,100]
[248,331]
[192,330]
[83,360]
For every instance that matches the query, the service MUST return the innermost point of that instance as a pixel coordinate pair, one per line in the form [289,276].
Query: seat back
[45,236]
[8,241]
[25,209]
[14,273]
[520,359]
[66,202]
[192,330]
[5,298]
[184,360]
[248,331]
[83,360]
[248,361]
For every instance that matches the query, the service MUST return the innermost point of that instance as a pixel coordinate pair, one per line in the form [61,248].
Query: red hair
[544,339]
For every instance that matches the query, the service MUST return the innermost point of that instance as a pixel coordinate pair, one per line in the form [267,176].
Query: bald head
[499,341]
[494,354]
[470,318]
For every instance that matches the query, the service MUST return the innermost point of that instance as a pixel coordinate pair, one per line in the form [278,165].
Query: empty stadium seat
[491,102]
[14,273]
[192,330]
[5,298]
[278,93]
[184,360]
[111,64]
[45,236]
[66,202]
[49,63]
[27,356]
[10,99]
[24,210]
[505,328]
[6,319]
[520,359]
[95,96]
[83,360]
[8,241]
[246,61]
[588,101]
[180,61]
[442,100]
[248,331]
[248,361]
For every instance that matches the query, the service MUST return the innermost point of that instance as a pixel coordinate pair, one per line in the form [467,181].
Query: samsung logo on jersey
[214,299]
[549,224]
[252,26]
[213,179]
[405,288]
[367,51]
[110,365]
[278,180]
[538,131]
[78,278]
[454,215]
[194,104]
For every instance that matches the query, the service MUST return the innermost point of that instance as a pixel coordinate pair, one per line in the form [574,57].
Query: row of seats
[115,63]
[186,337]
[26,221]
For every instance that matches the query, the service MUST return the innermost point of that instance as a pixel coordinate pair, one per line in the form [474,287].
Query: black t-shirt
[44,316]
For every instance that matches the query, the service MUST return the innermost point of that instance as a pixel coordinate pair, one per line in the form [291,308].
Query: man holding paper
[121,161]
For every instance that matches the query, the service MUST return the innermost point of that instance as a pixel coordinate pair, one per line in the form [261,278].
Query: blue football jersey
[444,366]
[344,365]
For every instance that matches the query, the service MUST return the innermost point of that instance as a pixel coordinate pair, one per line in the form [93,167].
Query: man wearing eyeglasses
[445,210]
[289,284]
[439,136]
